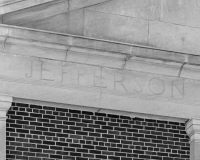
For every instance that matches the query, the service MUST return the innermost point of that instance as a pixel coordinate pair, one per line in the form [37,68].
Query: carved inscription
[156,86]
[178,88]
[119,81]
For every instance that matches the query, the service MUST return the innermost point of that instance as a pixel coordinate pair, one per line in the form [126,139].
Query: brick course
[37,132]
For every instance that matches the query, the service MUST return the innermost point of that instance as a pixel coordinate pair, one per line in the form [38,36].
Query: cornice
[5,104]
[193,130]
[104,53]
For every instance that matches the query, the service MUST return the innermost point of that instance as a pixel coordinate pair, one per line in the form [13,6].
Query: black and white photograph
[99,79]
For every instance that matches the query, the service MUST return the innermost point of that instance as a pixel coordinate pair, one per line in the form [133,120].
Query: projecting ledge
[26,42]
[54,40]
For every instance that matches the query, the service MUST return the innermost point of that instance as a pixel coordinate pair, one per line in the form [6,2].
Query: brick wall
[47,133]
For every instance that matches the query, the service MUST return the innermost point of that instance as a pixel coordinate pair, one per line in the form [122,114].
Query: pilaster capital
[5,104]
[193,130]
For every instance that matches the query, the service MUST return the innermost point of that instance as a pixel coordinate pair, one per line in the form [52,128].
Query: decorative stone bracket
[5,104]
[193,131]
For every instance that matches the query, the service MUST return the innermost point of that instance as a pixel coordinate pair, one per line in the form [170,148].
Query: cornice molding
[5,104]
[78,49]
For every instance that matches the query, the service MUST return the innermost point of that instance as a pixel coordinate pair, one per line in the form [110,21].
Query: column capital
[193,131]
[5,104]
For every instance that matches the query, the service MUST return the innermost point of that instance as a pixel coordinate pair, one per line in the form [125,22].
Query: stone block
[32,35]
[174,37]
[19,5]
[44,50]
[38,12]
[146,9]
[184,12]
[115,27]
[97,58]
[154,53]
[69,22]
[153,66]
[101,45]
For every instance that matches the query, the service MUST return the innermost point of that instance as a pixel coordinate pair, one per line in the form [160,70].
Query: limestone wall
[166,24]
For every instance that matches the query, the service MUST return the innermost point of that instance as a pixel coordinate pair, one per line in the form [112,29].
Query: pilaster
[193,131]
[5,104]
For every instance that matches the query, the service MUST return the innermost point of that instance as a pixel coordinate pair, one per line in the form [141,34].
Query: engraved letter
[137,86]
[81,75]
[31,71]
[98,79]
[118,81]
[178,89]
[46,74]
[64,72]
[156,86]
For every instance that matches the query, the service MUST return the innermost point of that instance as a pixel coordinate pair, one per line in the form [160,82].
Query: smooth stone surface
[195,151]
[34,35]
[153,66]
[162,54]
[98,100]
[97,58]
[70,22]
[35,49]
[22,4]
[2,11]
[145,9]
[184,12]
[191,71]
[76,4]
[38,12]
[108,88]
[174,37]
[2,140]
[4,2]
[103,45]
[114,27]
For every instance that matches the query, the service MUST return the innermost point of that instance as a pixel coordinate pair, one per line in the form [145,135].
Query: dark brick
[54,130]
[36,115]
[21,104]
[92,136]
[80,158]
[56,148]
[36,106]
[81,133]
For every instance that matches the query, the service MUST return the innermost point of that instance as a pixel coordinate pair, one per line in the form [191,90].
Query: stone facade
[100,60]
